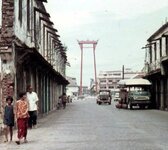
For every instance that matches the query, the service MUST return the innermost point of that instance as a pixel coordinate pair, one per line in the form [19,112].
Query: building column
[161,94]
[166,94]
[156,95]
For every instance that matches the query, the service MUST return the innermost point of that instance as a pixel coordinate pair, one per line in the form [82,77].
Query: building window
[103,81]
[150,53]
[28,15]
[103,87]
[117,74]
[20,11]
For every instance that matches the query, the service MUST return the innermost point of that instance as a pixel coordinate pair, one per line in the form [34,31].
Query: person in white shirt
[33,106]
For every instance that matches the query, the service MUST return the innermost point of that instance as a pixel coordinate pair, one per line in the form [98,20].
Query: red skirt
[22,124]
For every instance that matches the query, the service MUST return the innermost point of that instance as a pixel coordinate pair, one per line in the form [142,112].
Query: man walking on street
[64,100]
[33,100]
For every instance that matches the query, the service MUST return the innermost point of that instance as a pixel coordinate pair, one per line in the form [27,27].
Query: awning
[134,82]
[33,57]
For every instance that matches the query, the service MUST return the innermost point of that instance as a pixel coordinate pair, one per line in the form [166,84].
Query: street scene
[84,125]
[83,75]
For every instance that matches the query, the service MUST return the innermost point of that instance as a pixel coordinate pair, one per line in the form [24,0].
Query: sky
[120,26]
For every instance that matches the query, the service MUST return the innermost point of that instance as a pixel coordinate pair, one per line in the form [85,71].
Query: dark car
[104,96]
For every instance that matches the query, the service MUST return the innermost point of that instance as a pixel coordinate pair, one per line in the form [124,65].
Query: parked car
[104,96]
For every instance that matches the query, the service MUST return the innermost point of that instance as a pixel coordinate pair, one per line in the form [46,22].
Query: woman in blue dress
[8,118]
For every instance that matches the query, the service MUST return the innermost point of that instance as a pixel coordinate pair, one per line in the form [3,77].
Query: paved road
[84,125]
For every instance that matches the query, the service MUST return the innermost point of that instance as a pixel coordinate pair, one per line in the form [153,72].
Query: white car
[117,97]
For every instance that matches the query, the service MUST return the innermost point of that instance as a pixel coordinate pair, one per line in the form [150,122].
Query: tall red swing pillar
[81,44]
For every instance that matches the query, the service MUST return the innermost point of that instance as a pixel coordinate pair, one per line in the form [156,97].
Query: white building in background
[72,88]
[109,79]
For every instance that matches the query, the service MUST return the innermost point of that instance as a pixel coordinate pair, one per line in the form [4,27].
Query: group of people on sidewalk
[24,112]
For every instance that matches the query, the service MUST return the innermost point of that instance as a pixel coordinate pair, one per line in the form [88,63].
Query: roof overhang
[43,0]
[134,82]
[162,28]
[32,55]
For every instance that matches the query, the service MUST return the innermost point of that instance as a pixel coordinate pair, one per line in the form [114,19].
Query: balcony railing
[152,66]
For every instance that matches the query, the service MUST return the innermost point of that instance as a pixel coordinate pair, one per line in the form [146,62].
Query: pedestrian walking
[64,100]
[22,116]
[8,118]
[33,106]
[59,102]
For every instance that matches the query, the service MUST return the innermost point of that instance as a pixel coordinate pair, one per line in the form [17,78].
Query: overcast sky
[121,26]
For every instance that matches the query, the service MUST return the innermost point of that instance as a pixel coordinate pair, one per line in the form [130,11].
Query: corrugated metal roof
[158,31]
[134,82]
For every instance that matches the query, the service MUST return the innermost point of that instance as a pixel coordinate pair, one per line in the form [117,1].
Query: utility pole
[81,70]
[123,72]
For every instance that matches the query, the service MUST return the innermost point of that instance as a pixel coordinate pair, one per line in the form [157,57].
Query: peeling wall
[0,13]
[20,63]
[7,68]
[7,78]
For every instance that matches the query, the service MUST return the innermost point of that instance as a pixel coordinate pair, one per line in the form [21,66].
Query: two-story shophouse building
[157,66]
[30,53]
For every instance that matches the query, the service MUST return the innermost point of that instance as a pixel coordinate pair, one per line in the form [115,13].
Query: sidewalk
[35,136]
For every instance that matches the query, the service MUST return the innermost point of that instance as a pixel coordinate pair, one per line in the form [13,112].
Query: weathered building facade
[157,66]
[30,53]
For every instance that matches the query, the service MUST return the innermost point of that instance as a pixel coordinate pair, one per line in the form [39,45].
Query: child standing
[8,119]
[22,116]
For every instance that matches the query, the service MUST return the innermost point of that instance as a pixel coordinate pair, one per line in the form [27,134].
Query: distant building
[92,87]
[109,79]
[72,88]
[85,90]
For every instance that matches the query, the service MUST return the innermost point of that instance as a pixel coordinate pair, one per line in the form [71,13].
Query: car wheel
[109,103]
[150,106]
[142,106]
